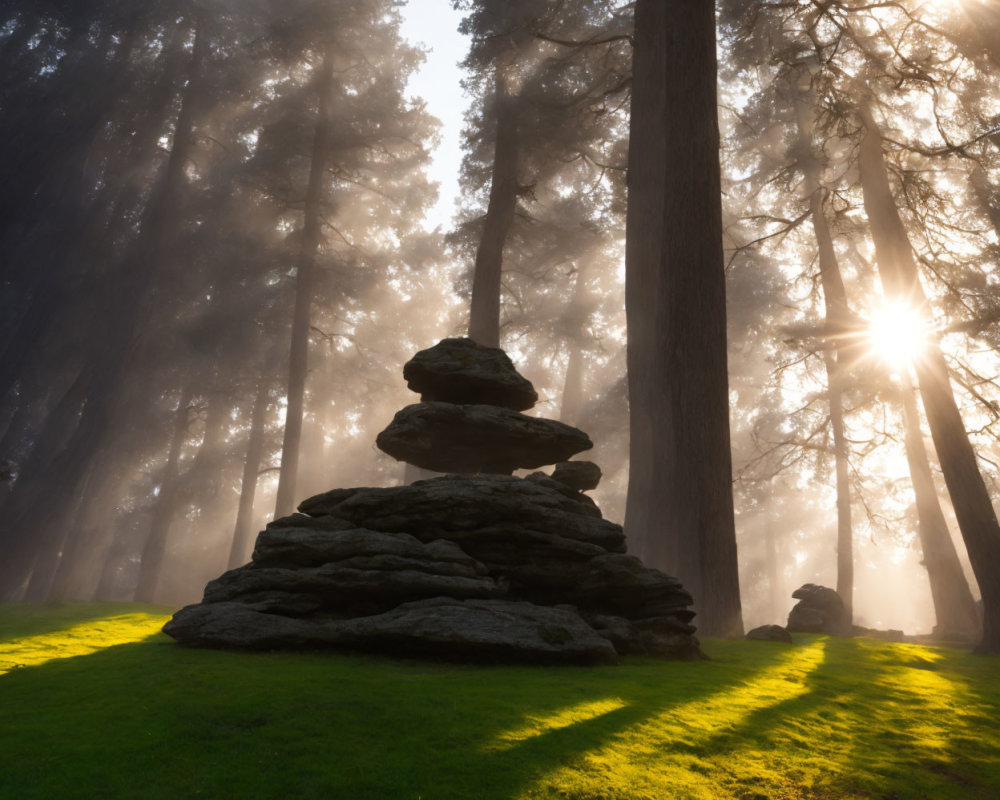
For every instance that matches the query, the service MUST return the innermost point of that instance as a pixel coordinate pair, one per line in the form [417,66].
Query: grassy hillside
[97,703]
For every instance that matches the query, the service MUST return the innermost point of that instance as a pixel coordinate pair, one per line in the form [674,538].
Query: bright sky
[434,24]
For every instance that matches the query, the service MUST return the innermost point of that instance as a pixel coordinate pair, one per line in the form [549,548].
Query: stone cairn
[476,565]
[819,610]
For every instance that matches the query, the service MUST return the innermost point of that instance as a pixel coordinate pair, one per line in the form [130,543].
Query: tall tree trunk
[312,235]
[484,315]
[248,488]
[163,511]
[836,354]
[954,606]
[675,291]
[977,519]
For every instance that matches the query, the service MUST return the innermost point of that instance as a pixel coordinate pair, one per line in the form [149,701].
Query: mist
[217,217]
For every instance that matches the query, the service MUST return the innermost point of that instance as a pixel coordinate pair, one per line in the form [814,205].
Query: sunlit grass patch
[821,720]
[32,635]
[563,718]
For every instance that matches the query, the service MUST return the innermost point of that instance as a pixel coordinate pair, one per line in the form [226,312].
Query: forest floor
[97,703]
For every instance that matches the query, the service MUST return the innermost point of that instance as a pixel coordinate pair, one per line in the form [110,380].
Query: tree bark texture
[977,519]
[484,314]
[312,236]
[954,606]
[680,504]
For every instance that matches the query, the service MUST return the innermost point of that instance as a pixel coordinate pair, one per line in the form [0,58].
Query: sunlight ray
[633,756]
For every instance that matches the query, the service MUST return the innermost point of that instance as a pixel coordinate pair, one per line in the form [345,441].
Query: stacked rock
[819,610]
[468,416]
[474,565]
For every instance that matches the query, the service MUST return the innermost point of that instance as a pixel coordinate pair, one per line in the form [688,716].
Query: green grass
[96,703]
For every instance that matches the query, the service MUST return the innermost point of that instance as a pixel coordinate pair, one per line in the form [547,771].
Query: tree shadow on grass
[155,720]
[875,720]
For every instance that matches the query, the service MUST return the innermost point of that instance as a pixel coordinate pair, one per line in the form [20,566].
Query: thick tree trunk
[977,519]
[484,316]
[680,503]
[304,279]
[954,606]
[836,355]
[166,505]
[243,531]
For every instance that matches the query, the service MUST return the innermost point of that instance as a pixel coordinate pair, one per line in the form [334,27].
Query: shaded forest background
[191,191]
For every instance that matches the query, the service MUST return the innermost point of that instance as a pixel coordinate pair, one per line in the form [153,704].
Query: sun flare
[898,334]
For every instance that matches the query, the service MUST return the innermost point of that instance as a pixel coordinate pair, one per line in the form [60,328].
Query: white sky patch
[434,25]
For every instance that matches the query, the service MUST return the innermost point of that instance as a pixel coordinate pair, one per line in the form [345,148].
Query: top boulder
[463,372]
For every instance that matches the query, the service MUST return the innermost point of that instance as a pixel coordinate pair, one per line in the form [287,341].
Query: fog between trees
[212,232]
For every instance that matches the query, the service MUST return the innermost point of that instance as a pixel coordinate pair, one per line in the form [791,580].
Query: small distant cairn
[475,565]
[819,610]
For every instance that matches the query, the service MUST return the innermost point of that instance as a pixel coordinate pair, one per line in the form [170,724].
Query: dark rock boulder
[241,625]
[608,583]
[462,371]
[342,587]
[299,571]
[471,630]
[579,475]
[446,437]
[531,543]
[657,637]
[307,547]
[622,584]
[484,630]
[326,523]
[819,610]
[557,486]
[770,633]
[469,508]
